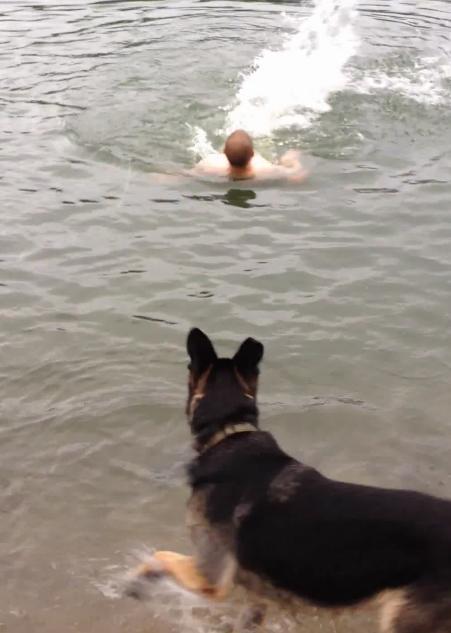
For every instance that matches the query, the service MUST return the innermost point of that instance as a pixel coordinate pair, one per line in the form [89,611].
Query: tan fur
[185,572]
[285,484]
[198,391]
[213,547]
[248,389]
[392,603]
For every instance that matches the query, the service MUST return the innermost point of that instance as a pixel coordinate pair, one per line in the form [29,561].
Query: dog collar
[230,429]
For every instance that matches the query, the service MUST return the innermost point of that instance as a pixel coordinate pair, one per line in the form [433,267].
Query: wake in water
[425,80]
[291,86]
[200,145]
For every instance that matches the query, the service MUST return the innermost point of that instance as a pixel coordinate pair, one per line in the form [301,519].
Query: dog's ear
[200,350]
[248,357]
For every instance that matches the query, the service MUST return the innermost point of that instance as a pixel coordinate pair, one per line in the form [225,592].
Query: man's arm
[291,161]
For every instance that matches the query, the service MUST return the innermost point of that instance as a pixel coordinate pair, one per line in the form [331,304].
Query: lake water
[107,257]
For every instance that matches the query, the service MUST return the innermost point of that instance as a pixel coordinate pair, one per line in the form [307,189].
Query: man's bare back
[240,162]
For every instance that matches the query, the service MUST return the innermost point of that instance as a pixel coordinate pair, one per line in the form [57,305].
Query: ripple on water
[105,264]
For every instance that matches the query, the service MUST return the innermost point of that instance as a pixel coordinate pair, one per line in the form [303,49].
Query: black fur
[200,351]
[225,400]
[332,543]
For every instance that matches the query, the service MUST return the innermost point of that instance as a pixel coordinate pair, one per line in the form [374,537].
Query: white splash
[292,86]
[200,146]
[426,81]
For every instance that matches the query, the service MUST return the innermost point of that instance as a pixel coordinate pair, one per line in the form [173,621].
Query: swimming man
[239,161]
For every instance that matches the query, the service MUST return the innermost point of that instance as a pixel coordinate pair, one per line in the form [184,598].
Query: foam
[320,56]
[426,81]
[291,86]
[200,145]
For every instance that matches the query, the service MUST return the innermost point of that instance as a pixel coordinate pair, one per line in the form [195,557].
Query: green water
[104,266]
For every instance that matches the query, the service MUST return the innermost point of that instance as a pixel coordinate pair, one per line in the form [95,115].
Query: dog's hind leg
[392,603]
[418,609]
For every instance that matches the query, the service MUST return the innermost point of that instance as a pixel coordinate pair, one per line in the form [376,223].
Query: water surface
[105,262]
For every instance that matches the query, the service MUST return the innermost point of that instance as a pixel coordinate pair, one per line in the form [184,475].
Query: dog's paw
[252,618]
[136,582]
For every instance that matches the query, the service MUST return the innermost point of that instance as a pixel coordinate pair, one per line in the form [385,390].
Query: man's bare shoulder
[289,168]
[259,163]
[215,164]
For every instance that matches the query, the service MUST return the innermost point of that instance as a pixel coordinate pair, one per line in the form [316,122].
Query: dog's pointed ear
[248,357]
[200,350]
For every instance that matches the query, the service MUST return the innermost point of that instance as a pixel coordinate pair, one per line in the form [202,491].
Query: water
[107,260]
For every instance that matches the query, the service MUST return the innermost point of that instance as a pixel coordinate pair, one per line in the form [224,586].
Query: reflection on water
[234,197]
[106,260]
[240,198]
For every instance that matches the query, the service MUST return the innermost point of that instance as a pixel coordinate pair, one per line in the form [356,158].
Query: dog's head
[221,391]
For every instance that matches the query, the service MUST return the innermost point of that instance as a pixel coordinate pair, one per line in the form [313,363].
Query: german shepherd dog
[257,514]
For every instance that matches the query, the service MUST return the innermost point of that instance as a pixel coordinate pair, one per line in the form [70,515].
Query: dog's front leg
[185,571]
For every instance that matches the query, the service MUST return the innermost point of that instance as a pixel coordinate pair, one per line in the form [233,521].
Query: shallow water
[105,264]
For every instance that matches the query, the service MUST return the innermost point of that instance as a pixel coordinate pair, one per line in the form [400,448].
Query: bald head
[239,148]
